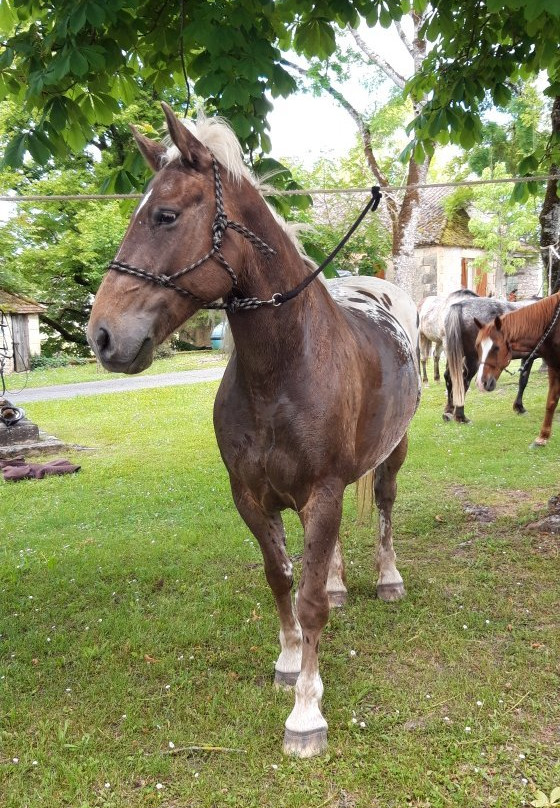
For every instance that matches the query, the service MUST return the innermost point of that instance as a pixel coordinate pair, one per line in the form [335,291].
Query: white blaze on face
[142,203]
[485,346]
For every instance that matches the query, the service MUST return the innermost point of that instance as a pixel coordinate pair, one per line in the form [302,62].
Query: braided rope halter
[219,226]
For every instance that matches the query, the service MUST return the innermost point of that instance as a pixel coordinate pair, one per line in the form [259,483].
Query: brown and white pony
[316,393]
[521,332]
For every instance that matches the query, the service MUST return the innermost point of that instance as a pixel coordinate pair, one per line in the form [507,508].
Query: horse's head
[170,261]
[494,353]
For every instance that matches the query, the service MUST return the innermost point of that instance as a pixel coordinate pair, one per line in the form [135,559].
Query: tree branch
[356,117]
[405,40]
[389,71]
[78,339]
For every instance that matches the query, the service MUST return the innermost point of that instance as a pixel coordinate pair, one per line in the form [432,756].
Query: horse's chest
[262,445]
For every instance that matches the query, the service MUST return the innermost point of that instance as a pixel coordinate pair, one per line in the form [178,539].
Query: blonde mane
[218,136]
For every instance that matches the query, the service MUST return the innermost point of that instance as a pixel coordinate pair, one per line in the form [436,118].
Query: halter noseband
[219,226]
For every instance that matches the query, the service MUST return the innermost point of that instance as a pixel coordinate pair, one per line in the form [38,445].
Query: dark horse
[315,393]
[520,332]
[460,333]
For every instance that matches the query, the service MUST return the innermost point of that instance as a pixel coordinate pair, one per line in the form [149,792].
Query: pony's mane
[218,136]
[531,320]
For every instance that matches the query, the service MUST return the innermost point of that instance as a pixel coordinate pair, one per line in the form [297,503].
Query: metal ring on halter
[277,299]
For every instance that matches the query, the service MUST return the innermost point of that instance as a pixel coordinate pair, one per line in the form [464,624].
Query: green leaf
[385,18]
[124,182]
[501,95]
[315,37]
[77,19]
[15,150]
[8,16]
[59,67]
[520,192]
[541,800]
[78,63]
[38,149]
[95,14]
[555,795]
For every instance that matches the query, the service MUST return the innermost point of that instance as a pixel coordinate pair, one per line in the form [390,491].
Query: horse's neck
[272,342]
[271,337]
[524,327]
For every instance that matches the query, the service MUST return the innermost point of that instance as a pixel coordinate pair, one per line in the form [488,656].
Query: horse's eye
[165,217]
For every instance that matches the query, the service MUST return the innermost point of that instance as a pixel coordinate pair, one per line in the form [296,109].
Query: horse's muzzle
[486,385]
[131,355]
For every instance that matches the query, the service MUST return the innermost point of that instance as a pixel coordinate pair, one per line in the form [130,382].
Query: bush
[57,361]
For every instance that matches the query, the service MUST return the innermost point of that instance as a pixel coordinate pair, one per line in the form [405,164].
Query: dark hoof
[447,416]
[337,599]
[285,679]
[305,744]
[390,592]
[520,411]
[463,420]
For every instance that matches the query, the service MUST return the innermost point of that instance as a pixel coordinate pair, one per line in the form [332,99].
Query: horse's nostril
[102,339]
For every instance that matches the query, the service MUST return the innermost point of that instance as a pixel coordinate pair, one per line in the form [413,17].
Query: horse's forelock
[218,136]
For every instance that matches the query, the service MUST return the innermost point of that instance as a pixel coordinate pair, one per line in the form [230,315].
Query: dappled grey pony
[317,391]
[432,311]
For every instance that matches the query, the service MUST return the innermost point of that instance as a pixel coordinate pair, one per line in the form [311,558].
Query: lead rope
[219,226]
[534,352]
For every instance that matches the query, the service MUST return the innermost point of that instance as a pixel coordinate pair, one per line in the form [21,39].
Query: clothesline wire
[388,189]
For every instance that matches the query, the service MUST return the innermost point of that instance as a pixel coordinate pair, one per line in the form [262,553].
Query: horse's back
[376,296]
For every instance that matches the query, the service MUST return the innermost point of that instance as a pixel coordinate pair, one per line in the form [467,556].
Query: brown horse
[315,394]
[533,330]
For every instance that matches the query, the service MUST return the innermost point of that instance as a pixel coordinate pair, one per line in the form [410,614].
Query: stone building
[19,331]
[445,255]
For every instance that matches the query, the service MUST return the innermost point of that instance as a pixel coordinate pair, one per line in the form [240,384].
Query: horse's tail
[454,352]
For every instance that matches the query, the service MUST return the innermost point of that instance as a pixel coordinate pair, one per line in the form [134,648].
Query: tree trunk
[549,216]
[406,230]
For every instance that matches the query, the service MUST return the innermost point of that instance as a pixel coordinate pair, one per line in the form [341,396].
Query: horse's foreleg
[551,404]
[523,379]
[269,532]
[336,581]
[306,729]
[389,583]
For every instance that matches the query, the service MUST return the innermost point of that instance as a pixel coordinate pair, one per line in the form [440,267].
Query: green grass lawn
[138,635]
[93,371]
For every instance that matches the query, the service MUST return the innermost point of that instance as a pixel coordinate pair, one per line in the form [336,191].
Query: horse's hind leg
[438,347]
[425,346]
[389,583]
[269,532]
[448,411]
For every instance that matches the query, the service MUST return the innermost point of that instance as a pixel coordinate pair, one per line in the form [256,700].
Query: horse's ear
[192,150]
[498,322]
[478,324]
[152,152]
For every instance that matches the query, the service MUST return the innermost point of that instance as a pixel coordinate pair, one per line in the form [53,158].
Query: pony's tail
[454,352]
